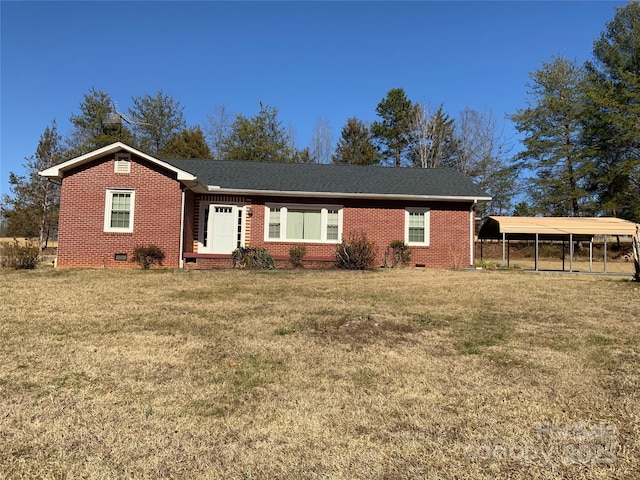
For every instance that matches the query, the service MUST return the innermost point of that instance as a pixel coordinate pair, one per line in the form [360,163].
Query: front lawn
[393,374]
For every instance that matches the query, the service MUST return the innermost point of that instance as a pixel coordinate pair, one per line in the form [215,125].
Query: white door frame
[205,224]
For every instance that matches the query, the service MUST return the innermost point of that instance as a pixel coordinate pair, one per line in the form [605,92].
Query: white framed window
[416,226]
[303,223]
[118,210]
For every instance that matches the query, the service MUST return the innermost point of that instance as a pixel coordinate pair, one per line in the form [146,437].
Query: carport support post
[590,255]
[605,254]
[536,252]
[504,244]
[571,252]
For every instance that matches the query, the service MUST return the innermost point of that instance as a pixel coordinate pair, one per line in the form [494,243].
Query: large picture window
[417,226]
[118,211]
[303,223]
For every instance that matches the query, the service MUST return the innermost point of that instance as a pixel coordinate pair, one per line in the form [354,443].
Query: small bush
[486,264]
[357,253]
[148,255]
[256,257]
[20,257]
[399,252]
[296,254]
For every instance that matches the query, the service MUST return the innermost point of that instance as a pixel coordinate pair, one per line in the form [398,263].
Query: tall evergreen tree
[188,143]
[97,125]
[552,125]
[32,209]
[261,138]
[612,128]
[394,133]
[155,119]
[355,145]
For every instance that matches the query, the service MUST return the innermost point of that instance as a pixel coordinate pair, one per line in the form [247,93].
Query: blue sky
[310,60]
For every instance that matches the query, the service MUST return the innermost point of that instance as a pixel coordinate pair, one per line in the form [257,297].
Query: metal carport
[571,229]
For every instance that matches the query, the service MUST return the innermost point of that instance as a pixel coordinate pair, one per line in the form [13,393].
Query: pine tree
[155,120]
[189,143]
[355,145]
[32,209]
[394,134]
[97,125]
[553,143]
[612,129]
[259,139]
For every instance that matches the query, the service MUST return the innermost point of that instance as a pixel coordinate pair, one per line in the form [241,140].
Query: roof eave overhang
[368,196]
[57,172]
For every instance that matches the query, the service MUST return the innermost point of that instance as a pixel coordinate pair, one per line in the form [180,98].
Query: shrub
[399,252]
[20,257]
[252,257]
[148,255]
[486,264]
[357,253]
[296,254]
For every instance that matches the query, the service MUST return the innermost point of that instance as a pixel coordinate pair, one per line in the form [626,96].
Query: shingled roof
[301,179]
[324,180]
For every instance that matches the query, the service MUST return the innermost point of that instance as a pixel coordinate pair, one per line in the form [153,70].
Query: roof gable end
[57,171]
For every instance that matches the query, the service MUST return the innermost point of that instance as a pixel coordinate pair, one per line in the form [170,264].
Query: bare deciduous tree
[218,129]
[322,141]
[434,143]
[481,154]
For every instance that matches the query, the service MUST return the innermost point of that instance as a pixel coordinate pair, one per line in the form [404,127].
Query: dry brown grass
[403,374]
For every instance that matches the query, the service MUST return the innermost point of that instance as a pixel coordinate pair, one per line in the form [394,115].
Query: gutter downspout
[180,259]
[472,236]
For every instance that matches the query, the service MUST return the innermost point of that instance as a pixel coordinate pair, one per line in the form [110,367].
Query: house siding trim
[368,196]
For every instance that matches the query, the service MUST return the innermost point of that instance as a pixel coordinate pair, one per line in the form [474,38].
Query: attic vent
[122,163]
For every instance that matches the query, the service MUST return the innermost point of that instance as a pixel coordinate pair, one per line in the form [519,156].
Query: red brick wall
[82,241]
[384,222]
[158,200]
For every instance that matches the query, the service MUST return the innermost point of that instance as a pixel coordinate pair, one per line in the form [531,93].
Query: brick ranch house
[198,211]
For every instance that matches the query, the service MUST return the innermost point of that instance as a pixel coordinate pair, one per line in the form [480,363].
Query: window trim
[284,207]
[108,210]
[427,226]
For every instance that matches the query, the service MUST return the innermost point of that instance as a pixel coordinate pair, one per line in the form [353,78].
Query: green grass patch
[599,340]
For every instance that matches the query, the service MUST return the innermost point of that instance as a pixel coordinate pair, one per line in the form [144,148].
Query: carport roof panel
[583,226]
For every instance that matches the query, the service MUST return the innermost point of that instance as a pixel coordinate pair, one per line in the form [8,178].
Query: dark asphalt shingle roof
[351,179]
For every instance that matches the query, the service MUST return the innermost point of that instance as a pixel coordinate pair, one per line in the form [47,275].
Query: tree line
[581,154]
[580,151]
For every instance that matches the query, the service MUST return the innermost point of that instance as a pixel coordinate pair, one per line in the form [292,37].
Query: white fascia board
[57,170]
[371,196]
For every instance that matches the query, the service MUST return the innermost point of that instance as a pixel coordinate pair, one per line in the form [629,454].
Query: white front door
[222,228]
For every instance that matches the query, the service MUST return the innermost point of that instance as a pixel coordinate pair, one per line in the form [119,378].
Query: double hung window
[118,212]
[417,226]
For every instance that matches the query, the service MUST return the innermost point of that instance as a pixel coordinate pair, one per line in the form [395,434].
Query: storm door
[221,228]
